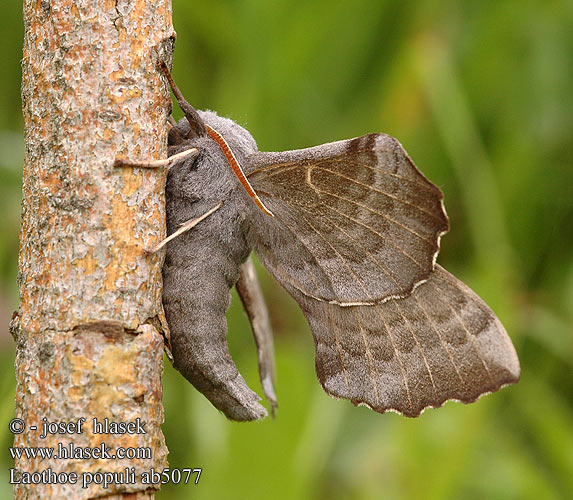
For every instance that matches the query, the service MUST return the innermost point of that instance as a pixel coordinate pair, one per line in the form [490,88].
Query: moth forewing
[363,221]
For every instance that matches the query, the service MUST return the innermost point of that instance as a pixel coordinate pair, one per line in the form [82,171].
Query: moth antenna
[232,160]
[191,223]
[197,125]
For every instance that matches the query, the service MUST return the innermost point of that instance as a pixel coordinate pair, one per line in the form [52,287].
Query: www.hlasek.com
[70,451]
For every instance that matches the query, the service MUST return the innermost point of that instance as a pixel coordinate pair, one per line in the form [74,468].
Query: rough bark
[90,323]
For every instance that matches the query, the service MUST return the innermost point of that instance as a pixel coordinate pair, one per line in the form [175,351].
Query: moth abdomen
[197,276]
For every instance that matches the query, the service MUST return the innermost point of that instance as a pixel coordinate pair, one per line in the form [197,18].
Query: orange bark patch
[87,263]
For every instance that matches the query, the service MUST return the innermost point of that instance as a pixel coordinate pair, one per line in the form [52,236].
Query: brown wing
[355,221]
[442,342]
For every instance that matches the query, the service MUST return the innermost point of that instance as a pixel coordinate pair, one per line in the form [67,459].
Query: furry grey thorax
[196,185]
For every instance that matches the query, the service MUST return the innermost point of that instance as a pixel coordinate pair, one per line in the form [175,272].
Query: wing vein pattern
[354,240]
[368,187]
[422,350]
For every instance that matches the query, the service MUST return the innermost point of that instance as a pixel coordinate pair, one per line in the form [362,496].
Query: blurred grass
[481,95]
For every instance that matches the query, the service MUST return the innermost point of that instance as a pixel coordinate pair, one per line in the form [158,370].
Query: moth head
[208,175]
[233,140]
[238,138]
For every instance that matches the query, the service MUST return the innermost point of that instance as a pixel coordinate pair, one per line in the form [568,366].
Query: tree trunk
[89,329]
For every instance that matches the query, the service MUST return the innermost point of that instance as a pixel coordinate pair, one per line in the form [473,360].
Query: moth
[351,229]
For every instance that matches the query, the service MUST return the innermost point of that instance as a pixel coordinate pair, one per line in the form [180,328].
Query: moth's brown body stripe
[234,163]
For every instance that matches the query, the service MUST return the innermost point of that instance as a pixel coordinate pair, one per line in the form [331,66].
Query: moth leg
[167,162]
[249,290]
[192,152]
[191,223]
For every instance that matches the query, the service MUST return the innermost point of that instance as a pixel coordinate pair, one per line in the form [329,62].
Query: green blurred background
[480,93]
